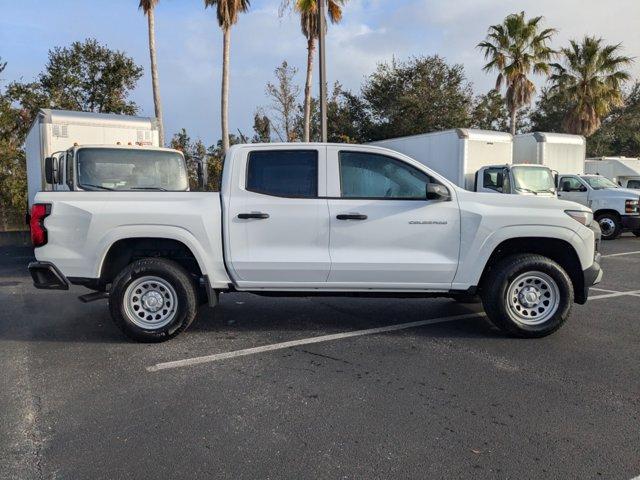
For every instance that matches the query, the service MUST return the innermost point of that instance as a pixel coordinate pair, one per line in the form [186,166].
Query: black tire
[501,310]
[610,225]
[183,311]
[636,233]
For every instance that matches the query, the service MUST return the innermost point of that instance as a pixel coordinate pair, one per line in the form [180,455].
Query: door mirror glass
[51,170]
[435,191]
[201,167]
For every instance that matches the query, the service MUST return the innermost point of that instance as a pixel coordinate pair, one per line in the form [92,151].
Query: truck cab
[520,179]
[614,208]
[117,168]
[623,171]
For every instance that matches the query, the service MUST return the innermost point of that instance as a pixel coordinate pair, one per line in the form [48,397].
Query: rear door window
[283,173]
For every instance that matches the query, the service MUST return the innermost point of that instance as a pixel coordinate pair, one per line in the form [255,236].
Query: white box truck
[615,209]
[624,171]
[55,131]
[476,160]
[560,152]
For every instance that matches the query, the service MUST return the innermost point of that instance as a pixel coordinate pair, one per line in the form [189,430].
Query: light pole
[323,71]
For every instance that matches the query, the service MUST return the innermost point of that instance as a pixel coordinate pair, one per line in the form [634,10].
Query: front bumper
[46,276]
[631,222]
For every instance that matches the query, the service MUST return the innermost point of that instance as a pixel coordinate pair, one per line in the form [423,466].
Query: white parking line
[632,293]
[305,341]
[620,254]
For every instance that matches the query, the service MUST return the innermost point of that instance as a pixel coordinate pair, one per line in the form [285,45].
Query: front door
[573,189]
[278,220]
[384,231]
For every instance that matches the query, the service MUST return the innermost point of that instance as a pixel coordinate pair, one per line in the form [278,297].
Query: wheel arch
[560,251]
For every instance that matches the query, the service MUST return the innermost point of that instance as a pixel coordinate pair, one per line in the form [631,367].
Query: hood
[522,201]
[618,193]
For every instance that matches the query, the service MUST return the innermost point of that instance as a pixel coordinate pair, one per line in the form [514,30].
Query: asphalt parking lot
[448,398]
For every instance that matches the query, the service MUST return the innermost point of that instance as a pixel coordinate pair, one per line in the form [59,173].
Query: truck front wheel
[527,295]
[610,225]
[153,300]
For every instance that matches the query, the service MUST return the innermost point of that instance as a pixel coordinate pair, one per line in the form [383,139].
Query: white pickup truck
[316,219]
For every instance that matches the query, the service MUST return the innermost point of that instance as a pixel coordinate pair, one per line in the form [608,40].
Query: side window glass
[570,184]
[369,175]
[493,178]
[283,173]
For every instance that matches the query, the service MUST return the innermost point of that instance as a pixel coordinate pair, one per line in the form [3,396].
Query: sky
[189,44]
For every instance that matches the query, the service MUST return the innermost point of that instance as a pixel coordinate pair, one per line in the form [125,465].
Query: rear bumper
[46,276]
[631,222]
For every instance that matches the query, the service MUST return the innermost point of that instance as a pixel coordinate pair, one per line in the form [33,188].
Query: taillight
[631,206]
[39,212]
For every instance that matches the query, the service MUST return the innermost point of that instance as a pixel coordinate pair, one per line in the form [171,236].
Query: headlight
[582,216]
[631,206]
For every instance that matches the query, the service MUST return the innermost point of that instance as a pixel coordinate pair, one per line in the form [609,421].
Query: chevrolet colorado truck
[316,219]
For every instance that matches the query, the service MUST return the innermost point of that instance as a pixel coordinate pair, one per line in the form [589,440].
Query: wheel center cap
[529,296]
[152,301]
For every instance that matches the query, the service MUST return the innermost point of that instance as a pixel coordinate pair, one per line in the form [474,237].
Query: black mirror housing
[50,170]
[435,191]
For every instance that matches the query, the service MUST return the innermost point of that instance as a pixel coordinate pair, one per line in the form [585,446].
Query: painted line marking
[632,293]
[305,341]
[620,254]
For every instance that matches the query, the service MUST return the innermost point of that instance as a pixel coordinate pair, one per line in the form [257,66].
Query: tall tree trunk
[224,121]
[311,46]
[154,74]
[514,119]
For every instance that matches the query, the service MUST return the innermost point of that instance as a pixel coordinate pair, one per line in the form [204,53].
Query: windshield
[130,169]
[598,183]
[533,179]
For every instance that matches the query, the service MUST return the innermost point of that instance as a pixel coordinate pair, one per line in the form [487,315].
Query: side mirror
[51,170]
[201,167]
[435,191]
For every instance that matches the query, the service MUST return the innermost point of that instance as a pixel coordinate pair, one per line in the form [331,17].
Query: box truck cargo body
[456,154]
[55,131]
[560,152]
[624,171]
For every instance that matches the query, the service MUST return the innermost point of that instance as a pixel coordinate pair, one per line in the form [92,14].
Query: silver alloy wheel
[533,298]
[607,225]
[150,302]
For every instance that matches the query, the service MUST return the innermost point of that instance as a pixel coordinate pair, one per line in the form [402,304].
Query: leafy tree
[90,77]
[620,130]
[149,7]
[516,48]
[308,11]
[490,112]
[261,127]
[284,99]
[548,113]
[421,95]
[227,12]
[590,80]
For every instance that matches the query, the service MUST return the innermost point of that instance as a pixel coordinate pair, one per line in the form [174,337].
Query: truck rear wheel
[527,295]
[610,225]
[153,300]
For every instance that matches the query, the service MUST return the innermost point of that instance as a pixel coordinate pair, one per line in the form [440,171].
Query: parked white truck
[624,171]
[476,160]
[615,209]
[53,132]
[316,219]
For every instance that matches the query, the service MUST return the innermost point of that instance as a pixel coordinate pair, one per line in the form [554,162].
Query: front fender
[479,249]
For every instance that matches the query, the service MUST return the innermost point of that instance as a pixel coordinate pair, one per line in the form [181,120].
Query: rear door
[277,222]
[385,234]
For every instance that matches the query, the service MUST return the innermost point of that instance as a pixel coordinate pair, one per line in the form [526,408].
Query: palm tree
[148,7]
[308,11]
[515,49]
[227,12]
[590,81]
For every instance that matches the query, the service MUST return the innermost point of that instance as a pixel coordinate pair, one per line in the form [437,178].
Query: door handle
[256,215]
[351,216]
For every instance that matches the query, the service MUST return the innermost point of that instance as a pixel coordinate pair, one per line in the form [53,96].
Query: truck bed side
[83,226]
